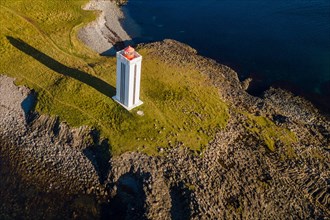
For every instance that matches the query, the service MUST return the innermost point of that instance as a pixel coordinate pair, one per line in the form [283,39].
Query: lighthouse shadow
[98,84]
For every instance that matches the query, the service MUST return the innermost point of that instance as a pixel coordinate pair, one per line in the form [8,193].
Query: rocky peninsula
[50,170]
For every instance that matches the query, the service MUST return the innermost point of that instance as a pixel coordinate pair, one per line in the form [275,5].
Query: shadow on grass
[58,67]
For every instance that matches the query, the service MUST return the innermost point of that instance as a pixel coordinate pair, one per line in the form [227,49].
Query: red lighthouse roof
[129,52]
[129,49]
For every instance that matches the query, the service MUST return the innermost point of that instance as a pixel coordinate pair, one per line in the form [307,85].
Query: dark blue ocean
[284,43]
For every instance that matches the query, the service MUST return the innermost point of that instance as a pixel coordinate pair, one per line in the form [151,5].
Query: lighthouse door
[122,84]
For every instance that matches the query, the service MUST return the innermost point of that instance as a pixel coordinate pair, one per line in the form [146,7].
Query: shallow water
[28,104]
[284,43]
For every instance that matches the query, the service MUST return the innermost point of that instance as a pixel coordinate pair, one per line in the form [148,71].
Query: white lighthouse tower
[128,78]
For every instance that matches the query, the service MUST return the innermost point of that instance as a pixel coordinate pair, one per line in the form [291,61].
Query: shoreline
[257,88]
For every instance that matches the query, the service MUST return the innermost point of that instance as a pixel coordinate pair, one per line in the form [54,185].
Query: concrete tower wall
[128,81]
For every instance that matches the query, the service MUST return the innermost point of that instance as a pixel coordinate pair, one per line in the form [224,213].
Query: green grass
[38,46]
[269,133]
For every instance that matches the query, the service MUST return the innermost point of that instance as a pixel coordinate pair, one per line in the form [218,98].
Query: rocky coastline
[69,173]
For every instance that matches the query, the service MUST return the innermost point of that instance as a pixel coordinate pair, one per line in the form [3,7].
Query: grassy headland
[39,47]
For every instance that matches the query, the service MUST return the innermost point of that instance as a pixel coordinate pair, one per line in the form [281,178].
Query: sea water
[285,43]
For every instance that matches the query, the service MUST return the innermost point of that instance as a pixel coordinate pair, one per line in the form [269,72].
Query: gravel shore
[105,35]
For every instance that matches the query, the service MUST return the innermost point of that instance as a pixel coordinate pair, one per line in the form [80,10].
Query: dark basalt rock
[120,2]
[280,119]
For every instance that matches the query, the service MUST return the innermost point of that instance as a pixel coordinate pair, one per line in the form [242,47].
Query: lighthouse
[128,78]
